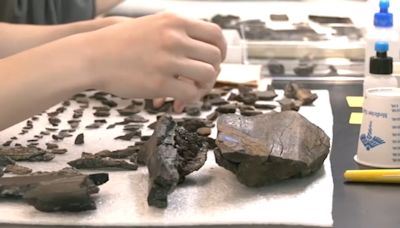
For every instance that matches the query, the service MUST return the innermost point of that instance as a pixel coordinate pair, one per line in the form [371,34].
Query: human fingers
[179,106]
[202,74]
[178,89]
[207,32]
[158,102]
[204,52]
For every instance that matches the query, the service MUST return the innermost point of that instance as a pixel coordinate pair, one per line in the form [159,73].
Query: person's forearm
[15,38]
[35,80]
[103,6]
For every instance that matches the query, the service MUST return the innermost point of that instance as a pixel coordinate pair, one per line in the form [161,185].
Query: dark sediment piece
[17,169]
[275,68]
[149,107]
[91,161]
[66,194]
[295,91]
[26,154]
[289,104]
[80,139]
[129,110]
[129,136]
[228,108]
[193,109]
[119,154]
[269,148]
[171,153]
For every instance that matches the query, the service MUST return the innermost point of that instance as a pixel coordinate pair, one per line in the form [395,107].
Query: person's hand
[161,55]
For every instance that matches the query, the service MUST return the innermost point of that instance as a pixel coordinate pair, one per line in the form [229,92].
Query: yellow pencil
[373,175]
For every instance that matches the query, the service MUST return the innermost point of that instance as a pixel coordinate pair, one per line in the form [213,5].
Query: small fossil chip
[90,161]
[129,136]
[17,169]
[79,140]
[59,151]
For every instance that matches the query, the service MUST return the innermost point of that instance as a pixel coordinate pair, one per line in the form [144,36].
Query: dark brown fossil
[17,169]
[7,143]
[266,106]
[100,113]
[102,108]
[212,116]
[217,101]
[228,108]
[54,121]
[70,193]
[267,95]
[91,161]
[136,119]
[94,125]
[250,112]
[132,127]
[34,118]
[66,103]
[59,151]
[271,147]
[51,146]
[119,154]
[288,104]
[149,107]
[171,153]
[130,110]
[275,68]
[26,154]
[298,92]
[109,103]
[80,139]
[129,136]
[100,121]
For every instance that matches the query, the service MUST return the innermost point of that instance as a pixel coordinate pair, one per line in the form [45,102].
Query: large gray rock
[271,147]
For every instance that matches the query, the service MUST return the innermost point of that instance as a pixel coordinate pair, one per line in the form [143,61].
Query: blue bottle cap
[381,46]
[383,18]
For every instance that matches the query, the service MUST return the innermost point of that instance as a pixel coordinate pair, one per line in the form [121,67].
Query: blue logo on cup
[369,141]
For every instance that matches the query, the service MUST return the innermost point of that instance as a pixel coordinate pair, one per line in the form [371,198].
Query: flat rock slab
[271,147]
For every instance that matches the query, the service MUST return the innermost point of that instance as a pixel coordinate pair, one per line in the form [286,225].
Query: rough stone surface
[66,194]
[171,153]
[91,161]
[17,169]
[296,91]
[26,154]
[80,139]
[271,147]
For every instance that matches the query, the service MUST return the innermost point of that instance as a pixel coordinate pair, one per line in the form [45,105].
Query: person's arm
[103,6]
[146,57]
[15,38]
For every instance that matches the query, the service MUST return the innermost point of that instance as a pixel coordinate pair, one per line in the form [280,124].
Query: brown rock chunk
[80,139]
[228,108]
[71,193]
[90,161]
[17,169]
[288,104]
[26,154]
[271,147]
[149,107]
[129,136]
[298,92]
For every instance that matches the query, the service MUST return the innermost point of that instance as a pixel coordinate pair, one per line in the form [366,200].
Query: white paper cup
[379,139]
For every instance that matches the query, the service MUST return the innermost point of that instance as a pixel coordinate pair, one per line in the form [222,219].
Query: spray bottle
[380,69]
[383,30]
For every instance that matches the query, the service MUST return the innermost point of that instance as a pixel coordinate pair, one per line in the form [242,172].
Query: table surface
[354,205]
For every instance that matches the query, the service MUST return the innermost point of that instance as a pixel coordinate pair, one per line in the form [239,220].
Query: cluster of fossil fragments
[261,146]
